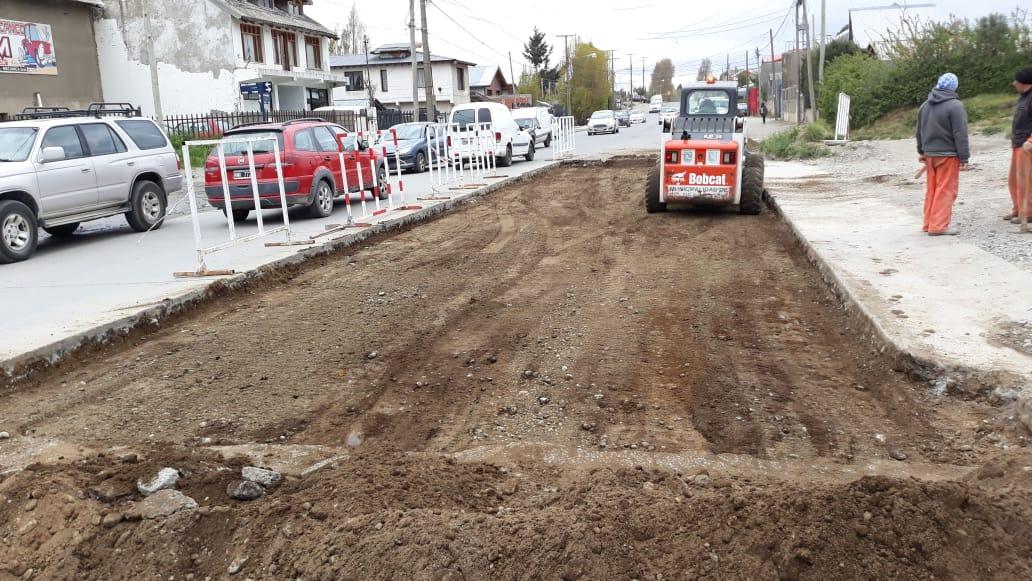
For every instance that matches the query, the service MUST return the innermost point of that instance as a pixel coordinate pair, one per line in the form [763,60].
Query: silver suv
[58,172]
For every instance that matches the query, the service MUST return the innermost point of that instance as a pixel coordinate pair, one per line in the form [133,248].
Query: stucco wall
[196,45]
[77,82]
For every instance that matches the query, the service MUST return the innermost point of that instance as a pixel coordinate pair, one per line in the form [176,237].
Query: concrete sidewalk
[960,312]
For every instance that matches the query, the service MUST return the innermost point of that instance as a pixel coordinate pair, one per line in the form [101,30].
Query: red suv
[311,167]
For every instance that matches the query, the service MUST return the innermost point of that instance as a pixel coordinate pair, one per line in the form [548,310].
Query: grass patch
[198,155]
[987,115]
[798,142]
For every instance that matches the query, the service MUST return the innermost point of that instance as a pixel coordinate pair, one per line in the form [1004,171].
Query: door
[112,166]
[350,144]
[309,157]
[69,185]
[330,149]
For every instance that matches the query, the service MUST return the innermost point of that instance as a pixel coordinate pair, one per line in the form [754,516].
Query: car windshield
[602,115]
[404,131]
[240,148]
[622,114]
[16,143]
[464,117]
[708,102]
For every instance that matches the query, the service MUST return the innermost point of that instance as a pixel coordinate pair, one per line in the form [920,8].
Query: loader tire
[652,203]
[752,185]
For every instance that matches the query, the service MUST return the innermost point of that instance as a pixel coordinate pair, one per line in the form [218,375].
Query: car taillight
[498,137]
[449,141]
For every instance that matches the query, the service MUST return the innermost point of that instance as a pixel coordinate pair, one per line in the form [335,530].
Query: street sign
[262,88]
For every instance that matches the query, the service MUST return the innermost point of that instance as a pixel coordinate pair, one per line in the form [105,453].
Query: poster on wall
[27,48]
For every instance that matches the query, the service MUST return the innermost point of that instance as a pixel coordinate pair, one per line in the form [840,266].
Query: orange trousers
[943,184]
[1020,179]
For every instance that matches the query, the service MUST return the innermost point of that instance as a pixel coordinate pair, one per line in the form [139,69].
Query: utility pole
[428,72]
[773,77]
[415,66]
[727,68]
[152,62]
[368,78]
[824,38]
[799,69]
[747,70]
[612,78]
[569,77]
[630,69]
[512,74]
[643,85]
[811,82]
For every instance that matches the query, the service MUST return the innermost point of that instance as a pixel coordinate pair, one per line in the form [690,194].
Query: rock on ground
[161,504]
[245,490]
[267,478]
[166,478]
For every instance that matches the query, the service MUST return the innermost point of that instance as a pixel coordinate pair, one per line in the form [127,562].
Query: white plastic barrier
[842,118]
[564,140]
[234,240]
[439,170]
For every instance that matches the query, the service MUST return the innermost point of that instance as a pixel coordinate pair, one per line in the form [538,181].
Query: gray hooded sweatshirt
[942,126]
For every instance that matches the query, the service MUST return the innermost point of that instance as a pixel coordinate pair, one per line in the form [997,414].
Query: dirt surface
[547,384]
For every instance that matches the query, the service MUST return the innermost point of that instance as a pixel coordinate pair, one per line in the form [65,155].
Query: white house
[389,68]
[191,56]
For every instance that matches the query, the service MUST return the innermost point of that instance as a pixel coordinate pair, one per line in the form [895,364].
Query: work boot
[1015,220]
[1010,216]
[947,232]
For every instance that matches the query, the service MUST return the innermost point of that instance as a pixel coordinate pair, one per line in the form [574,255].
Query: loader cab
[708,111]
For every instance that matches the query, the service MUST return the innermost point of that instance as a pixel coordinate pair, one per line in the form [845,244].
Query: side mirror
[363,145]
[50,154]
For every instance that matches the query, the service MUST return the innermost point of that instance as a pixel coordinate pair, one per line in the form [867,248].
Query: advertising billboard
[27,48]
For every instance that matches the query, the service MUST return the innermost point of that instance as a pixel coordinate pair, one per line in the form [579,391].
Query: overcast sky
[685,31]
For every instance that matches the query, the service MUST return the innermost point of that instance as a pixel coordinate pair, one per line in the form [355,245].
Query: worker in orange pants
[1020,180]
[942,145]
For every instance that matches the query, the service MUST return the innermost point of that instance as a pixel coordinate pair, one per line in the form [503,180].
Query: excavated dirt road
[548,384]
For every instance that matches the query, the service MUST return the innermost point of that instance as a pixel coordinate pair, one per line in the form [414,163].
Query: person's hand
[1027,147]
[920,159]
[965,167]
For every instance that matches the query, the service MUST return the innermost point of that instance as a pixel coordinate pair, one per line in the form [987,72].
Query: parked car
[637,116]
[603,122]
[509,139]
[531,126]
[742,109]
[311,167]
[656,104]
[58,172]
[413,146]
[623,118]
[544,119]
[200,128]
[667,116]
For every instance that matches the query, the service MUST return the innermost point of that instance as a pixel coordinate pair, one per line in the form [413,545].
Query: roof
[359,60]
[274,17]
[484,75]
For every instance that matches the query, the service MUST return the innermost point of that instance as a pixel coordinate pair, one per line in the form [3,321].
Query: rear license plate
[704,192]
[241,174]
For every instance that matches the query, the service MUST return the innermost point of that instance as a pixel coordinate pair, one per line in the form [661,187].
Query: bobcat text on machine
[704,159]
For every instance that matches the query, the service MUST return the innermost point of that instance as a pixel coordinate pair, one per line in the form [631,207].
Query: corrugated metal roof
[274,17]
[359,60]
[483,76]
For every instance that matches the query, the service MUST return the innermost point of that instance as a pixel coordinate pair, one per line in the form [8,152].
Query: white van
[544,119]
[510,140]
[656,104]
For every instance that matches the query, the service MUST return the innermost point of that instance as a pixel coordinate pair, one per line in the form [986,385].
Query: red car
[41,51]
[311,167]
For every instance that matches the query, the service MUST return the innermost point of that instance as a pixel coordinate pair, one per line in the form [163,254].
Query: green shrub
[865,79]
[797,143]
[198,155]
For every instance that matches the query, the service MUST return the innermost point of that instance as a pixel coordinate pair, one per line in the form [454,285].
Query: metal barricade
[564,141]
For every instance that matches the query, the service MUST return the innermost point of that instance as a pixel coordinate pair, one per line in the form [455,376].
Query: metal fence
[212,125]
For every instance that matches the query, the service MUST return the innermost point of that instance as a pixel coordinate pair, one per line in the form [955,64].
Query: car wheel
[530,153]
[652,203]
[18,231]
[322,205]
[239,215]
[62,231]
[385,186]
[420,162]
[146,207]
[548,140]
[507,160]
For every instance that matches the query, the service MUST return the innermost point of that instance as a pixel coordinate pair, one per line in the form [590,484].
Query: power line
[471,35]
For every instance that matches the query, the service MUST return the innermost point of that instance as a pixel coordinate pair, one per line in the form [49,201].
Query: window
[66,138]
[383,80]
[257,146]
[145,134]
[325,139]
[304,141]
[355,81]
[464,117]
[708,102]
[420,77]
[484,116]
[285,44]
[313,52]
[101,140]
[16,143]
[349,141]
[251,37]
[317,98]
[462,78]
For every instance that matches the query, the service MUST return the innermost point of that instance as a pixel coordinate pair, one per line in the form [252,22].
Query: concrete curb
[961,380]
[29,364]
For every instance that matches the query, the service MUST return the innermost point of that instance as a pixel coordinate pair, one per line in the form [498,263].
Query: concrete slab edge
[27,365]
[957,379]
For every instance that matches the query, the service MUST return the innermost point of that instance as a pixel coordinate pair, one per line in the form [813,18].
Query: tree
[663,79]
[537,51]
[590,87]
[350,36]
[705,70]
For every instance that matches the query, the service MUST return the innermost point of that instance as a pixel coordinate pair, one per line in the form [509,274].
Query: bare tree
[349,36]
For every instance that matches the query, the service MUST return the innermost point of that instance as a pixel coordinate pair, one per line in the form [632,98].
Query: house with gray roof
[387,70]
[197,56]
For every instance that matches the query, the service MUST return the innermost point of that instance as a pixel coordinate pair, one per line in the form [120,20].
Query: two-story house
[389,70]
[192,56]
[489,81]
